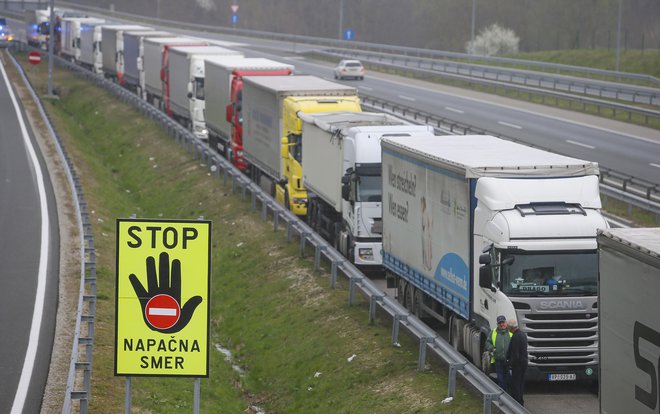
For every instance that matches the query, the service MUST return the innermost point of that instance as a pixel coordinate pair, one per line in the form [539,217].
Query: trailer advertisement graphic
[162,297]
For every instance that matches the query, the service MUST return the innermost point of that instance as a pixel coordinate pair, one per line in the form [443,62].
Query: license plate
[561,377]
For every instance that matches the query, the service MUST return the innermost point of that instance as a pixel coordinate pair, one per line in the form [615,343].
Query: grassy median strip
[281,338]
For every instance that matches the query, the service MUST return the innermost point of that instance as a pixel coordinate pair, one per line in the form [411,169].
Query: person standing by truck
[517,358]
[498,346]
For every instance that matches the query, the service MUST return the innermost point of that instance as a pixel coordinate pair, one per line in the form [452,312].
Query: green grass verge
[277,316]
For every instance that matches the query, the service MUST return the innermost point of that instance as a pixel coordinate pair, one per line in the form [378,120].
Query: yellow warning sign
[162,297]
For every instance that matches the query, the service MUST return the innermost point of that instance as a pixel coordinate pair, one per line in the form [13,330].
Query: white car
[349,69]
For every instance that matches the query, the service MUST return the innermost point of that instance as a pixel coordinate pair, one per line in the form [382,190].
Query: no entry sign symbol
[34,58]
[162,311]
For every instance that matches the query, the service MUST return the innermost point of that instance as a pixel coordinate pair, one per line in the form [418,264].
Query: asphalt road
[29,263]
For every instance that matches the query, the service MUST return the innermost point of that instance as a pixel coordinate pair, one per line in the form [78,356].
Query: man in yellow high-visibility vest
[498,344]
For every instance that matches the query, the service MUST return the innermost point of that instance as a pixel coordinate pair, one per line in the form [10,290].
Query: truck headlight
[366,254]
[298,200]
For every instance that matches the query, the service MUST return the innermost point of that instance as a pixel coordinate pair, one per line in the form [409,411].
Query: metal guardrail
[80,366]
[401,50]
[530,92]
[569,84]
[429,341]
[633,191]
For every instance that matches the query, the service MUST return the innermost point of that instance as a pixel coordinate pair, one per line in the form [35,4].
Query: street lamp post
[341,18]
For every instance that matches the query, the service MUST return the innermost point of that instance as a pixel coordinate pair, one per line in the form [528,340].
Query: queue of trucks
[466,228]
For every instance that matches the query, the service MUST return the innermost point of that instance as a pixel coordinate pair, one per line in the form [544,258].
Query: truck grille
[560,338]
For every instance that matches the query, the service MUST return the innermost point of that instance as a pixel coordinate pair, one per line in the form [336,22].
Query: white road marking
[37,313]
[458,111]
[366,88]
[654,165]
[407,98]
[579,144]
[162,311]
[514,126]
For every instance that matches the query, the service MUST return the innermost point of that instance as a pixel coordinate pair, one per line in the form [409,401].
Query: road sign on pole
[234,18]
[234,8]
[162,297]
[349,34]
[34,58]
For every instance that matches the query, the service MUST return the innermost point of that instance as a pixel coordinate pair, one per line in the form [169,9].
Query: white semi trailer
[184,84]
[156,50]
[527,216]
[133,55]
[112,47]
[70,32]
[342,175]
[629,328]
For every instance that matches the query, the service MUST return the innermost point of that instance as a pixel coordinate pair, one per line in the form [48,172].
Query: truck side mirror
[346,185]
[486,278]
[190,90]
[228,113]
[345,190]
[484,259]
[284,148]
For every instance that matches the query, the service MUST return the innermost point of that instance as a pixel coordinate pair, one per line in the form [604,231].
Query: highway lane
[29,263]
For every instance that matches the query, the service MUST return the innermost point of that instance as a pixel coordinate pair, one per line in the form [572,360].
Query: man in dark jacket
[517,358]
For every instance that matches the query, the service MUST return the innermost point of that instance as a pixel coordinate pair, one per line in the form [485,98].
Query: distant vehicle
[5,38]
[349,69]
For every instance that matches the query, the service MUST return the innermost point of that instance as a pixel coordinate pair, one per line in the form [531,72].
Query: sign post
[162,302]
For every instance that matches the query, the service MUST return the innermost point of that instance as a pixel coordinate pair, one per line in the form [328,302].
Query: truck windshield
[550,273]
[370,188]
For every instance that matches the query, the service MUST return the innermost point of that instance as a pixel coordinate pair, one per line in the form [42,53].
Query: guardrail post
[351,288]
[423,342]
[276,219]
[244,186]
[289,228]
[317,256]
[488,401]
[453,369]
[303,240]
[395,327]
[333,274]
[373,300]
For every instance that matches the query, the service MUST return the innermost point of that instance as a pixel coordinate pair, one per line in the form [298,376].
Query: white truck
[184,84]
[528,217]
[271,105]
[629,328]
[90,46]
[156,49]
[342,175]
[133,55]
[224,86]
[112,49]
[71,32]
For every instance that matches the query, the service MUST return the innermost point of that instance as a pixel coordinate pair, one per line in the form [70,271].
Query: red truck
[223,93]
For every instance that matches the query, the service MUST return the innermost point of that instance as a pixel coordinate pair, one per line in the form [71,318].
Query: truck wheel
[455,334]
[401,291]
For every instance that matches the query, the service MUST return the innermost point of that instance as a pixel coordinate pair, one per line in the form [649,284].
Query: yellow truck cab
[290,191]
[272,129]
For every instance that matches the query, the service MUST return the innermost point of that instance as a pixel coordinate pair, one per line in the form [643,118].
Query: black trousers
[518,383]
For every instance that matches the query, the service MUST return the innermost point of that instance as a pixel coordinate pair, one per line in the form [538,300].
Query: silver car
[349,69]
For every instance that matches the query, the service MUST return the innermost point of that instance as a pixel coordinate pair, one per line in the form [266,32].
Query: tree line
[435,24]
